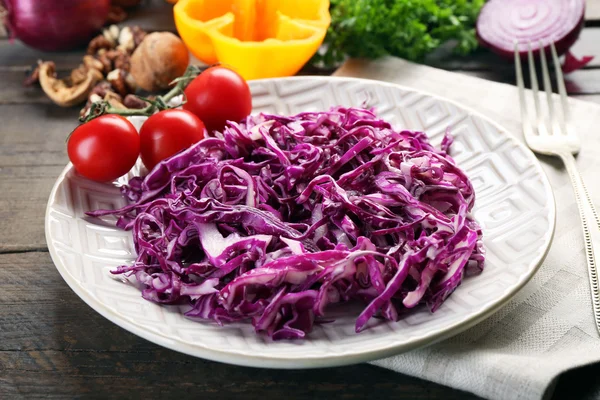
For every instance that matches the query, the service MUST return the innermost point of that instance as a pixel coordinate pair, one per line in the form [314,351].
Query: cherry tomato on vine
[104,148]
[218,95]
[168,132]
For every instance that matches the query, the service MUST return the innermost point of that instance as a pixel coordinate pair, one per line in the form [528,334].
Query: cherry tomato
[104,148]
[218,95]
[168,132]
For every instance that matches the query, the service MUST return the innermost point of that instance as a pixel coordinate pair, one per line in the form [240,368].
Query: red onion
[55,25]
[539,22]
[573,63]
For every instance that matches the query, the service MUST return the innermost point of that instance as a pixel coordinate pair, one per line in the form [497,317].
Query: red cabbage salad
[277,217]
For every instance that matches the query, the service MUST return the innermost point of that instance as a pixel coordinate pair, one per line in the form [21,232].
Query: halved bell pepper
[257,38]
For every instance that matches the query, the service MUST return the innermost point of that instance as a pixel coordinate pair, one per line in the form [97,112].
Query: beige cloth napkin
[548,327]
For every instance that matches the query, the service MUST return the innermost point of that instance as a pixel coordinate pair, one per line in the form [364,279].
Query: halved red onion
[55,25]
[538,22]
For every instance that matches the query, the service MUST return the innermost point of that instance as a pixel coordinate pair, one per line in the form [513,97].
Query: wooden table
[52,345]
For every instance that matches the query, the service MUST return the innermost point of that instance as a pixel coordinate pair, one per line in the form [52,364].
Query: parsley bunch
[404,28]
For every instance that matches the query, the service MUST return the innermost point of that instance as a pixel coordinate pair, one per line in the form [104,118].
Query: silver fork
[551,134]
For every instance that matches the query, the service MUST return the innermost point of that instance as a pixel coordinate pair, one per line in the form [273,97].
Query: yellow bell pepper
[257,38]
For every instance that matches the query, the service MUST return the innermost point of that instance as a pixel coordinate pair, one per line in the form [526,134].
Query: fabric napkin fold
[548,327]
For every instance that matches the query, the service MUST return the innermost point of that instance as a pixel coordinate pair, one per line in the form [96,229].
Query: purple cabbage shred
[277,217]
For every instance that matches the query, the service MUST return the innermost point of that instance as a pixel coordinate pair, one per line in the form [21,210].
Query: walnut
[121,81]
[112,34]
[132,101]
[123,61]
[94,98]
[101,88]
[120,59]
[107,64]
[126,41]
[138,35]
[80,73]
[115,15]
[117,81]
[114,59]
[97,43]
[92,63]
[130,81]
[114,100]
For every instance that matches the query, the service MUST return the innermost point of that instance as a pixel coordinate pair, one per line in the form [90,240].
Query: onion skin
[562,29]
[55,25]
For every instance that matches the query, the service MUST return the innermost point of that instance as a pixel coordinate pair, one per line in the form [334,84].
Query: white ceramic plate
[515,207]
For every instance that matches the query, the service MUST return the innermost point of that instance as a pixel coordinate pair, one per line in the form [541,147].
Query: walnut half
[98,43]
[121,81]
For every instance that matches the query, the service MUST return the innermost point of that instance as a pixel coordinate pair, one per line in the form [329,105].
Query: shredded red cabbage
[277,217]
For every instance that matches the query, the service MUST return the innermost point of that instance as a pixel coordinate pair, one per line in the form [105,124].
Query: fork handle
[591,229]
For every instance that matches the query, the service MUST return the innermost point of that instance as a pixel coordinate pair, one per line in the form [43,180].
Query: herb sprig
[410,29]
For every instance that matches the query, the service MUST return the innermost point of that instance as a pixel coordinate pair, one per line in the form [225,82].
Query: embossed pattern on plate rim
[312,361]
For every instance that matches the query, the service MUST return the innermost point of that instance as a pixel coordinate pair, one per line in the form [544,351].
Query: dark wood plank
[55,346]
[32,155]
[152,15]
[25,191]
[31,130]
[12,90]
[17,56]
[157,373]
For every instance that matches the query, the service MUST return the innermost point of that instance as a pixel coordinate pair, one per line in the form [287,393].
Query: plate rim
[260,361]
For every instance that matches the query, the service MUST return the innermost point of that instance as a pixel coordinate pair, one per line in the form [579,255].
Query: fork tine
[534,87]
[561,89]
[526,122]
[547,88]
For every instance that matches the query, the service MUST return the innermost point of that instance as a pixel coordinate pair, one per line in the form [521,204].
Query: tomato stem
[158,104]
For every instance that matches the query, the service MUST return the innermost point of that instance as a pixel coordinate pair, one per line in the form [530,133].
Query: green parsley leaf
[410,29]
